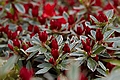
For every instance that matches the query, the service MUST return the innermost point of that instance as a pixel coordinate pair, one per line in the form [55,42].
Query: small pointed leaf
[99,50]
[20,8]
[92,64]
[44,70]
[102,65]
[93,33]
[33,49]
[108,34]
[93,18]
[109,13]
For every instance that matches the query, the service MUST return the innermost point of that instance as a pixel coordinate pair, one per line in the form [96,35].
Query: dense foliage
[59,39]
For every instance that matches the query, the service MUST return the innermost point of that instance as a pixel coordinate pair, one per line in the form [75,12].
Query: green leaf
[33,49]
[72,45]
[113,61]
[64,56]
[63,64]
[89,25]
[65,15]
[29,65]
[117,54]
[99,49]
[101,71]
[102,65]
[80,13]
[1,13]
[43,50]
[20,7]
[93,33]
[47,55]
[3,45]
[117,29]
[64,26]
[31,55]
[105,28]
[109,13]
[59,39]
[64,32]
[112,48]
[23,52]
[12,26]
[47,47]
[80,59]
[108,34]
[20,64]
[44,65]
[57,17]
[9,65]
[44,70]
[94,19]
[114,39]
[116,45]
[8,7]
[91,37]
[92,64]
[35,40]
[77,53]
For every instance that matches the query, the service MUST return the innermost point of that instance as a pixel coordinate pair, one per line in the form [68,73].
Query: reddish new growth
[35,10]
[111,52]
[83,76]
[55,54]
[52,61]
[43,36]
[36,29]
[62,9]
[66,48]
[30,28]
[26,74]
[86,46]
[99,35]
[102,17]
[42,20]
[56,24]
[17,43]
[79,31]
[71,20]
[48,10]
[54,44]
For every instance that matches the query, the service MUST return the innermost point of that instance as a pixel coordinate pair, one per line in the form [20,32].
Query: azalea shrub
[59,39]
